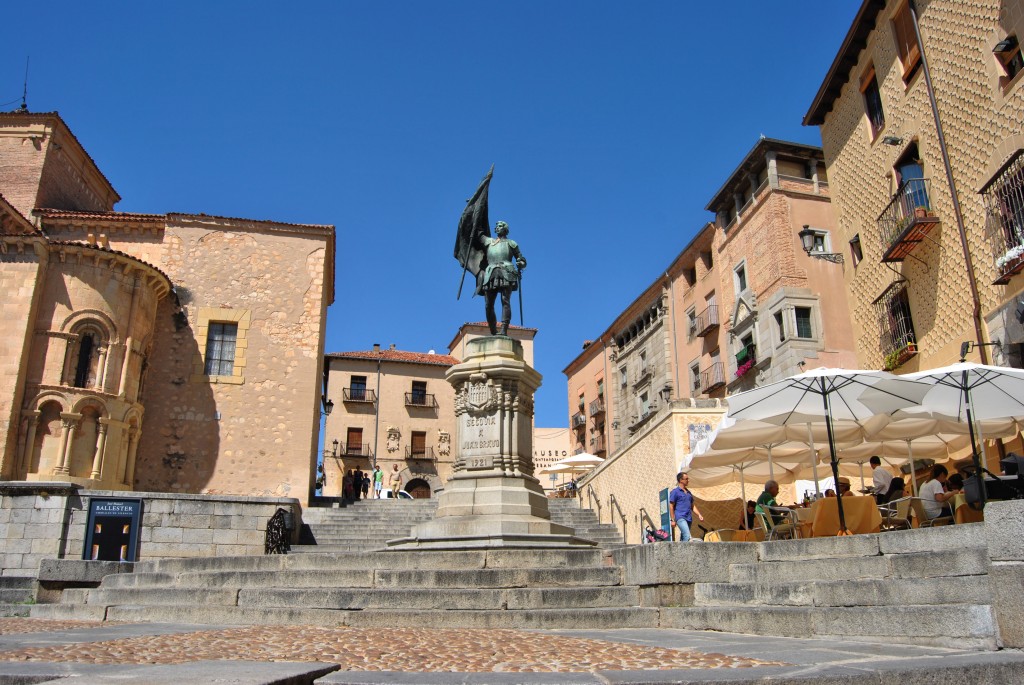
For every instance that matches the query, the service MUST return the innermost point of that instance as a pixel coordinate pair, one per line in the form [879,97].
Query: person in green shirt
[767,499]
[378,481]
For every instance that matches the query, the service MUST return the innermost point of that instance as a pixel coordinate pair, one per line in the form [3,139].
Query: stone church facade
[174,353]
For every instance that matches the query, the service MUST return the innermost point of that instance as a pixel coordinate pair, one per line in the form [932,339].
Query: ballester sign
[112,529]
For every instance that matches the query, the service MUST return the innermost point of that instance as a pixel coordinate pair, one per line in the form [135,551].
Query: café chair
[896,514]
[917,504]
[778,531]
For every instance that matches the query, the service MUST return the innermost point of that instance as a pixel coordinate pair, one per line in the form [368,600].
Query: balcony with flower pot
[906,220]
[896,358]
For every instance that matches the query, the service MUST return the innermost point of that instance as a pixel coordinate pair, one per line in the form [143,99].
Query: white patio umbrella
[785,463]
[972,392]
[825,395]
[582,459]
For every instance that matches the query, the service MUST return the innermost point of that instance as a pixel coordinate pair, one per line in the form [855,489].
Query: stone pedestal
[493,498]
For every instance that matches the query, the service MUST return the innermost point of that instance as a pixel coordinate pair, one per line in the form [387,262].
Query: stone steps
[956,626]
[556,588]
[16,595]
[913,587]
[552,619]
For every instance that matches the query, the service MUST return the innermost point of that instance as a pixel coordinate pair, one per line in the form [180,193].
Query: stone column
[813,164]
[68,426]
[101,447]
[101,367]
[492,499]
[773,169]
[133,446]
[30,441]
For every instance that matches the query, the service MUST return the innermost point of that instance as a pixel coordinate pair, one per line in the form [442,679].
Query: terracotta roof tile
[75,243]
[98,216]
[398,356]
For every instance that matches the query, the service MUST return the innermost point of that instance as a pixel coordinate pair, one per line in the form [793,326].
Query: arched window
[86,345]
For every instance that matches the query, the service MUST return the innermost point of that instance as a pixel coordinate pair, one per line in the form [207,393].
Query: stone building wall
[981,115]
[253,432]
[47,521]
[21,267]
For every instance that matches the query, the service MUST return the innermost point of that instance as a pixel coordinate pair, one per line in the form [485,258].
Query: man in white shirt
[880,477]
[933,495]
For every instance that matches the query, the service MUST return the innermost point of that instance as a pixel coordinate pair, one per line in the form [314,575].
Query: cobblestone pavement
[361,649]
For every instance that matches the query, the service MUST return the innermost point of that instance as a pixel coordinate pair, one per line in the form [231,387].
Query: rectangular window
[872,102]
[1007,51]
[695,377]
[781,326]
[1004,200]
[803,322]
[220,348]
[856,252]
[741,278]
[906,41]
[358,388]
[354,444]
[600,387]
[418,444]
[418,396]
[623,377]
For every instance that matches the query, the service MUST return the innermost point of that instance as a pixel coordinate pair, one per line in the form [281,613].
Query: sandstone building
[925,155]
[391,406]
[172,352]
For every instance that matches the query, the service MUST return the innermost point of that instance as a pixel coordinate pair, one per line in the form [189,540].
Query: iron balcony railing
[358,395]
[356,449]
[712,377]
[425,452]
[419,399]
[707,320]
[597,444]
[578,420]
[597,407]
[906,220]
[1004,208]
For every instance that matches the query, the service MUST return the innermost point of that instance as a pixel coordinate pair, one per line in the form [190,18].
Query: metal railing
[597,407]
[1004,207]
[598,444]
[418,399]
[646,521]
[358,395]
[909,204]
[707,320]
[578,420]
[614,504]
[355,450]
[592,498]
[712,377]
[424,452]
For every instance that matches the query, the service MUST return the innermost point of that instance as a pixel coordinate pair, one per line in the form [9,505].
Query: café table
[963,513]
[805,521]
[861,514]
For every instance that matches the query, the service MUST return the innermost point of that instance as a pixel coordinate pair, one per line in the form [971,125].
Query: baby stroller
[656,535]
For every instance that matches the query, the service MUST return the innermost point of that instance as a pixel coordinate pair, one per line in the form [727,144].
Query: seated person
[843,485]
[830,493]
[767,500]
[748,520]
[895,491]
[933,495]
[955,482]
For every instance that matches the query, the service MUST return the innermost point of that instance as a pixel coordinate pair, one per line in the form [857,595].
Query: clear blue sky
[610,125]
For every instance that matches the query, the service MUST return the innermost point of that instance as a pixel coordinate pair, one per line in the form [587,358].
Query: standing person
[681,507]
[357,483]
[395,481]
[378,481]
[881,479]
[366,486]
[346,487]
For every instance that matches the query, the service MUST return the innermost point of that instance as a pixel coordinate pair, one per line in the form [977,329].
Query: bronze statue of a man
[496,263]
[499,275]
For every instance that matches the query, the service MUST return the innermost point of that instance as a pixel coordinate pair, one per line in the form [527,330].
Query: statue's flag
[472,224]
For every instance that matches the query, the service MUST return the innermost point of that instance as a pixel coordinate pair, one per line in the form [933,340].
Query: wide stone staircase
[367,525]
[925,587]
[473,589]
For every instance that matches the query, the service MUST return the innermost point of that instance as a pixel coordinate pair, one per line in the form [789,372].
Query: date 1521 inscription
[480,462]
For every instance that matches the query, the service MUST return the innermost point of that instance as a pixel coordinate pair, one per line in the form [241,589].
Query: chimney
[376,347]
[391,346]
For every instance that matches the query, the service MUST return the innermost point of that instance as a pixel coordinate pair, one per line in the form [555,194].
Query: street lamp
[807,238]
